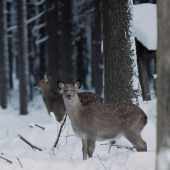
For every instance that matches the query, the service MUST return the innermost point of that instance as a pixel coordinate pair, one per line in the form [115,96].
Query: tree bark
[97,70]
[120,65]
[163,85]
[22,56]
[54,41]
[4,63]
[67,47]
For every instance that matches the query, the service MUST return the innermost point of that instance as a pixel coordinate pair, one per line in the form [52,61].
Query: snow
[68,154]
[145,25]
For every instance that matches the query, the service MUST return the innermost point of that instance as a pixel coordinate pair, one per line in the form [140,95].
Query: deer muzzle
[69,97]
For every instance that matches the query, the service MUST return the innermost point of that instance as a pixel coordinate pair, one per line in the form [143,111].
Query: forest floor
[68,154]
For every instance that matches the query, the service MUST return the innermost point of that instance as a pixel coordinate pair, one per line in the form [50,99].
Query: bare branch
[36,3]
[41,40]
[19,162]
[6,159]
[59,133]
[119,146]
[35,17]
[101,161]
[39,26]
[40,126]
[28,21]
[23,139]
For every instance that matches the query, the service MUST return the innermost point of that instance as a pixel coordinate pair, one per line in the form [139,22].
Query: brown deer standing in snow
[54,102]
[91,123]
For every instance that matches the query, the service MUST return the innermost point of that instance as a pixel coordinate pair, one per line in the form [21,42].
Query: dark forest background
[61,37]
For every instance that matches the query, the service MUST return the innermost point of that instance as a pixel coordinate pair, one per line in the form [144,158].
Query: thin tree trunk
[4,63]
[23,56]
[120,65]
[163,86]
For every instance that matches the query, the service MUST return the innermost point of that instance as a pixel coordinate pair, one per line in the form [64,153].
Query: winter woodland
[118,49]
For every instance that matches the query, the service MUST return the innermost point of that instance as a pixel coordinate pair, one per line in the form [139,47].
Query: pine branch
[6,159]
[59,133]
[27,142]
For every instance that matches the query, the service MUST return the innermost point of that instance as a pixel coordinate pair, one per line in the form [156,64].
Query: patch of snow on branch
[145,25]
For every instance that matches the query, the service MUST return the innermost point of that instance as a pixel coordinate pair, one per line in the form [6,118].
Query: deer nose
[69,96]
[34,85]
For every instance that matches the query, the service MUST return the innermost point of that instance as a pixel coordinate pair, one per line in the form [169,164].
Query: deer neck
[48,92]
[74,108]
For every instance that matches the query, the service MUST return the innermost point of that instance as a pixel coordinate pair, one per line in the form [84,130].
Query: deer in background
[54,101]
[91,123]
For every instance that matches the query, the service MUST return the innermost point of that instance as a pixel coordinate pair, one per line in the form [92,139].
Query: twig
[119,146]
[6,159]
[31,126]
[23,139]
[67,134]
[125,147]
[59,133]
[101,161]
[40,126]
[19,162]
[111,144]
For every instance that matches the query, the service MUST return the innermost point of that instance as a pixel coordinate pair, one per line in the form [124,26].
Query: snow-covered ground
[68,154]
[145,25]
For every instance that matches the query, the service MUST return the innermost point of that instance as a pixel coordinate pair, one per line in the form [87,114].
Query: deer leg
[137,141]
[90,146]
[84,148]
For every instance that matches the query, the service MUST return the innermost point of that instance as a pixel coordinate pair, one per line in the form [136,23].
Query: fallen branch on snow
[27,142]
[59,133]
[19,162]
[112,143]
[40,126]
[6,159]
[124,147]
[33,124]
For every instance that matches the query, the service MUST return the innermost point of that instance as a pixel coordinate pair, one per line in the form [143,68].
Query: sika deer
[91,123]
[54,102]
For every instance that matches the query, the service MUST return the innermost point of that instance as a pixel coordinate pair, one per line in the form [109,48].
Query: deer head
[43,83]
[69,90]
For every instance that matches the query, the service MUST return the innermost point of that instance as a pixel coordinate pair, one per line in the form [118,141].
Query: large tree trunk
[67,47]
[54,40]
[22,56]
[97,70]
[4,63]
[163,86]
[120,66]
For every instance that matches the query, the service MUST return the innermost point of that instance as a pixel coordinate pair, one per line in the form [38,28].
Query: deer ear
[60,85]
[45,76]
[77,84]
[49,78]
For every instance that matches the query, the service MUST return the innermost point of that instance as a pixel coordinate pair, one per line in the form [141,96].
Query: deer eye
[73,90]
[64,90]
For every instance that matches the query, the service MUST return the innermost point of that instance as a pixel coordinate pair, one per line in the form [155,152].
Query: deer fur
[91,123]
[54,101]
